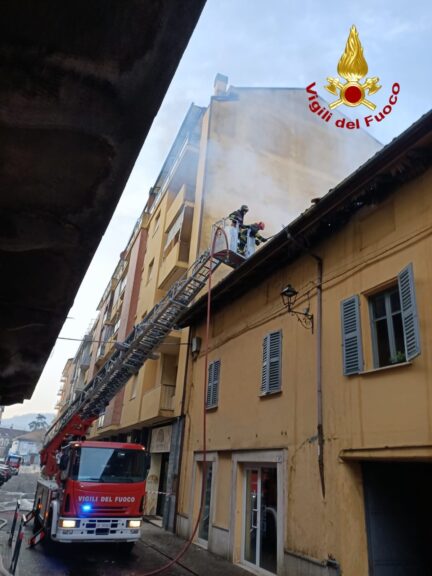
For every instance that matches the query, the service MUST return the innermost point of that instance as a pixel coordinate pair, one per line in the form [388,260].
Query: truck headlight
[67,523]
[134,523]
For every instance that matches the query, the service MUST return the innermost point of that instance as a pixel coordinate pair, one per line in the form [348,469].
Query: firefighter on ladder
[237,217]
[252,230]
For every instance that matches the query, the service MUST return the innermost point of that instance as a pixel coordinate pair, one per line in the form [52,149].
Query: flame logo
[352,66]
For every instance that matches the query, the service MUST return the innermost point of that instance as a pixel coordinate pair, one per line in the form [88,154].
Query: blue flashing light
[86,507]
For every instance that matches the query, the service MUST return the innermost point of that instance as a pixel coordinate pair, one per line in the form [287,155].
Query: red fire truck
[96,496]
[94,491]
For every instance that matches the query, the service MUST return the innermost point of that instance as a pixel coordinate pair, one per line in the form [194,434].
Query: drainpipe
[318,325]
[320,430]
[182,419]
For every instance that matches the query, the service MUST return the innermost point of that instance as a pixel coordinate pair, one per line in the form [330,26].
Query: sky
[284,43]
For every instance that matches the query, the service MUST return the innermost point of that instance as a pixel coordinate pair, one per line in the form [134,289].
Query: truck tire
[37,525]
[47,529]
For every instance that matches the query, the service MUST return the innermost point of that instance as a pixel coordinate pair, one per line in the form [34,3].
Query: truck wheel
[36,523]
[47,539]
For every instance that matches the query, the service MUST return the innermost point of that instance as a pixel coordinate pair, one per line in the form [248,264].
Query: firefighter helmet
[244,208]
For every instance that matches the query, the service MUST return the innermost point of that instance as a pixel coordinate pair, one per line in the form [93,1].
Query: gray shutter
[275,345]
[215,390]
[271,366]
[409,312]
[210,384]
[264,374]
[213,384]
[351,336]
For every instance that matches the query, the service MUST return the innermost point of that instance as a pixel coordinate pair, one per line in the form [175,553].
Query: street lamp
[289,297]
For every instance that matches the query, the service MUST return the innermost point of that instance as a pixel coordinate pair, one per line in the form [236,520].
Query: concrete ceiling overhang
[80,84]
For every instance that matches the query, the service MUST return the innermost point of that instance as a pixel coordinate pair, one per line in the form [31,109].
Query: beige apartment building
[256,146]
[319,387]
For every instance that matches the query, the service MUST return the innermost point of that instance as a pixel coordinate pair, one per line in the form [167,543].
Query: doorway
[204,526]
[260,517]
[398,505]
[163,478]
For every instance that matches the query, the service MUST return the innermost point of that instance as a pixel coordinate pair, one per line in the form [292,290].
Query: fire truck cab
[97,495]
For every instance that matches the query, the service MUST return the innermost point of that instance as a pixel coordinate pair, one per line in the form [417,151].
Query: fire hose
[204,450]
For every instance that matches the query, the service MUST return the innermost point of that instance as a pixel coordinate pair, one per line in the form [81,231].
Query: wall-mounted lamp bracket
[289,297]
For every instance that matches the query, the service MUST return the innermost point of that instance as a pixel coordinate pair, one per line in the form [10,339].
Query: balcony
[183,198]
[167,397]
[174,266]
[158,403]
[176,249]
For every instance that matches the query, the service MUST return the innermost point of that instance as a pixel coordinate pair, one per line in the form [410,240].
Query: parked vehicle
[14,462]
[5,472]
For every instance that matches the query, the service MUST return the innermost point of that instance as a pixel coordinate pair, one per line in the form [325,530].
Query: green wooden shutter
[409,312]
[351,336]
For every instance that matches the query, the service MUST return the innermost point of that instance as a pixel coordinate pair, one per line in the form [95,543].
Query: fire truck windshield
[108,465]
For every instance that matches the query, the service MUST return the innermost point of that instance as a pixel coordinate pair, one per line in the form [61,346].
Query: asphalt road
[72,559]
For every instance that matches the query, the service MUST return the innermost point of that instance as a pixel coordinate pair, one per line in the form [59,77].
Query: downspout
[182,417]
[320,429]
[318,324]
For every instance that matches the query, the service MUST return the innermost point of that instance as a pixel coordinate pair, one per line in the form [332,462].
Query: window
[387,330]
[117,324]
[213,384]
[174,233]
[156,223]
[271,366]
[150,271]
[112,465]
[394,323]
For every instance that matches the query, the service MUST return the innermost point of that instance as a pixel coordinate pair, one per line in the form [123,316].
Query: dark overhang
[406,157]
[80,84]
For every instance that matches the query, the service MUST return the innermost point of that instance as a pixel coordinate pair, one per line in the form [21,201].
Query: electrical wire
[114,341]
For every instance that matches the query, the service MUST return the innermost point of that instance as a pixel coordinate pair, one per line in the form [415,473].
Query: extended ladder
[130,355]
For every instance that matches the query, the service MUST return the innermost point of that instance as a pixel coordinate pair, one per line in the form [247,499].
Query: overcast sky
[258,43]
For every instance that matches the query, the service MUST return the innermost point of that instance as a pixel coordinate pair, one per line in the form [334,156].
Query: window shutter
[264,375]
[213,384]
[271,366]
[274,379]
[351,336]
[210,384]
[215,391]
[409,312]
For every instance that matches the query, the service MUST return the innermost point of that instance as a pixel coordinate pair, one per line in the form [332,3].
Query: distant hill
[22,422]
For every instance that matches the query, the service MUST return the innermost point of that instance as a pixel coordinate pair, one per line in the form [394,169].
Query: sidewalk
[197,559]
[155,549]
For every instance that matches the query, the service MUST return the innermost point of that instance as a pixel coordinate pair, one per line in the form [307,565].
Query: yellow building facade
[318,404]
[249,146]
[256,146]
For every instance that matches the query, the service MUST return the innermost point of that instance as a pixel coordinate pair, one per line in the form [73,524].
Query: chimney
[220,84]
